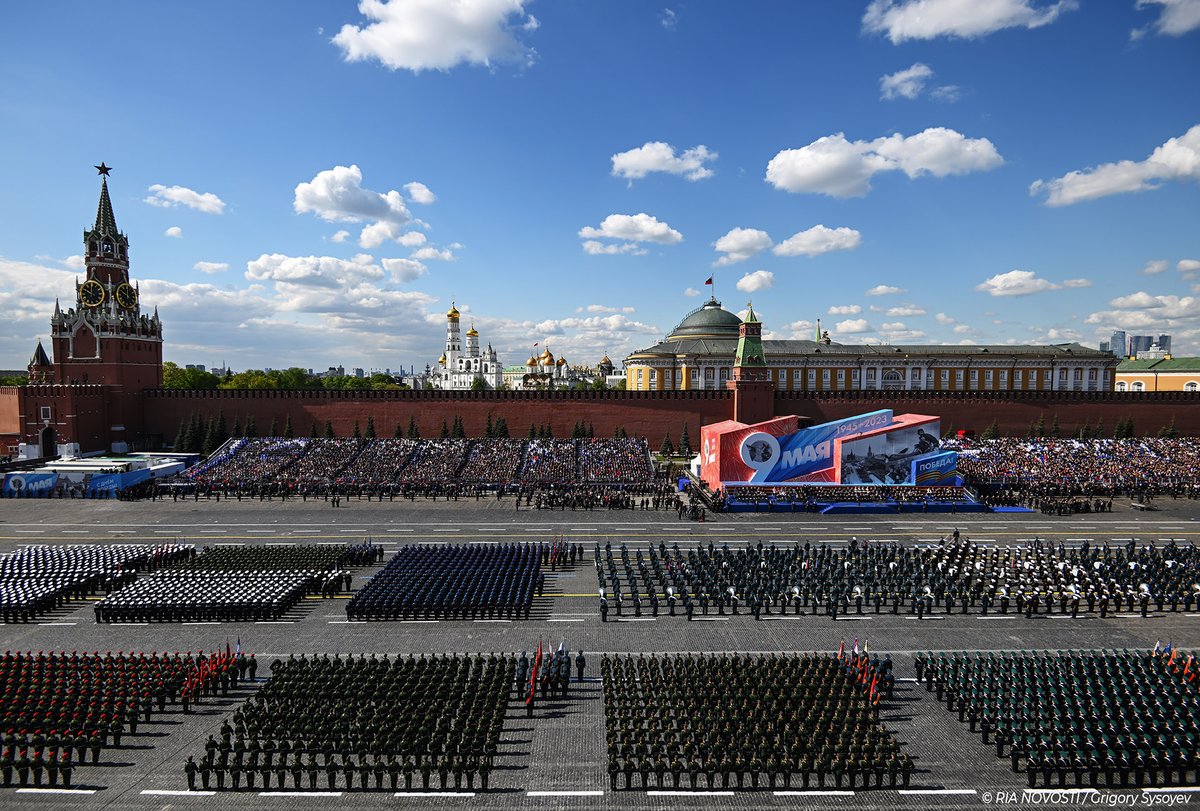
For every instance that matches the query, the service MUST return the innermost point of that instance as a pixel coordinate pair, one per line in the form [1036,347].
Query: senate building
[699,354]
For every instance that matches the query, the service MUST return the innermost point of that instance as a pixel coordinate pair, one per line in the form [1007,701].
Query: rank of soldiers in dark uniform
[364,722]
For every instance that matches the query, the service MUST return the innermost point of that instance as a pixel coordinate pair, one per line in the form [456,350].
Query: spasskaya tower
[105,338]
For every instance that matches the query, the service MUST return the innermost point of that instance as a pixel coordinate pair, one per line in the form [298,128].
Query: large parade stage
[558,757]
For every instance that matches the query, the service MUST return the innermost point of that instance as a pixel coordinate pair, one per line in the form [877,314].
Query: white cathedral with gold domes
[463,363]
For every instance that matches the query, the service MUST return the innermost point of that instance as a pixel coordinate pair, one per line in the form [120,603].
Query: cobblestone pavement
[556,759]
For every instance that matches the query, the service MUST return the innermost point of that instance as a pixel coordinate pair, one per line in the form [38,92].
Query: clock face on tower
[91,293]
[126,296]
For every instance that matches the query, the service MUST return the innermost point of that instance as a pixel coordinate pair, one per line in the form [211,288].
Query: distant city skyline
[316,188]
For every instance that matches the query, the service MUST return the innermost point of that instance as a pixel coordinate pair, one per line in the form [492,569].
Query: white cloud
[963,329]
[902,20]
[740,244]
[211,267]
[852,326]
[1177,18]
[420,193]
[758,280]
[404,270]
[845,309]
[1015,283]
[595,248]
[1077,283]
[948,93]
[631,229]
[1188,267]
[885,290]
[75,262]
[422,35]
[818,240]
[668,19]
[907,83]
[899,332]
[905,311]
[1154,267]
[942,318]
[175,232]
[690,292]
[340,236]
[656,156]
[414,238]
[1136,301]
[837,167]
[1177,159]
[1177,315]
[337,195]
[603,308]
[430,252]
[172,196]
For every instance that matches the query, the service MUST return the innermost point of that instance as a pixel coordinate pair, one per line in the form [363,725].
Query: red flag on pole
[710,280]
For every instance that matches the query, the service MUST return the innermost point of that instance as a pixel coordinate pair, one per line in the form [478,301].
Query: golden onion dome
[531,361]
[452,313]
[605,361]
[471,333]
[562,362]
[442,360]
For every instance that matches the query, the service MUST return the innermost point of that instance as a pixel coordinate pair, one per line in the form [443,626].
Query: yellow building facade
[699,352]
[1162,374]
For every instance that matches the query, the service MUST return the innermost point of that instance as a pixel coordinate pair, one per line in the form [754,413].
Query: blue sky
[571,172]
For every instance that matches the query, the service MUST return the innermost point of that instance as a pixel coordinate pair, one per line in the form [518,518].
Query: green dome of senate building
[709,321]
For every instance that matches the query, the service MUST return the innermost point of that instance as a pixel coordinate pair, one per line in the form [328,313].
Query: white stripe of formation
[434,794]
[938,791]
[299,794]
[689,793]
[817,793]
[169,792]
[564,794]
[56,791]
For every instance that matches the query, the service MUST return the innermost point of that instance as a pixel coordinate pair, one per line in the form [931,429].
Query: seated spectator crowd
[956,575]
[272,466]
[38,579]
[237,584]
[1032,471]
[59,708]
[750,722]
[810,497]
[473,581]
[1078,718]
[362,722]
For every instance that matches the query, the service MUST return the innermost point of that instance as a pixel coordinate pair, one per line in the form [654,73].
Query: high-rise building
[1140,343]
[1164,343]
[1118,344]
[1104,346]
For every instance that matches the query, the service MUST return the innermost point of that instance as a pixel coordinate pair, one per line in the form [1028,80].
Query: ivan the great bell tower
[106,338]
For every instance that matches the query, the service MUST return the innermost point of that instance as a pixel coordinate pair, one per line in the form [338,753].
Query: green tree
[329,434]
[357,431]
[479,384]
[370,432]
[666,449]
[1169,431]
[209,443]
[251,428]
[175,377]
[254,379]
[220,431]
[399,432]
[288,431]
[1040,427]
[236,430]
[685,441]
[488,428]
[1098,431]
[533,433]
[1054,427]
[622,384]
[312,432]
[457,430]
[549,431]
[1085,431]
[445,432]
[274,429]
[991,432]
[181,436]
[599,384]
[501,429]
[413,431]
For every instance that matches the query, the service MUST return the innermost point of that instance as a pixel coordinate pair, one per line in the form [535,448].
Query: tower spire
[106,221]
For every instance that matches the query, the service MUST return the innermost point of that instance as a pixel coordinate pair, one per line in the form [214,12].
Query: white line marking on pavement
[564,794]
[344,622]
[814,793]
[998,617]
[363,530]
[275,622]
[938,791]
[299,794]
[399,530]
[923,619]
[636,619]
[169,792]
[30,531]
[56,791]
[710,619]
[491,620]
[200,623]
[689,793]
[556,619]
[434,794]
[57,623]
[72,531]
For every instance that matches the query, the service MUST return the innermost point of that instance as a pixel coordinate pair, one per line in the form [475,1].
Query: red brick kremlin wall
[651,414]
